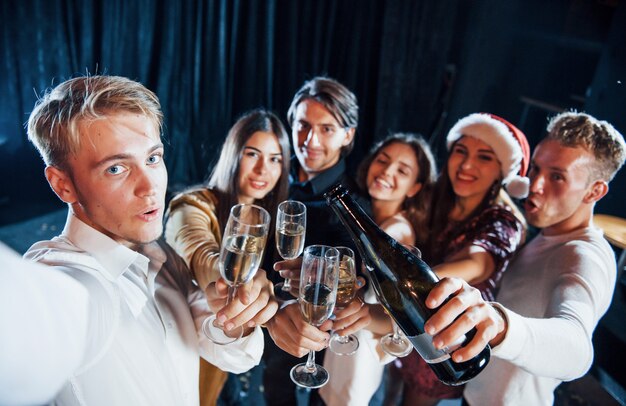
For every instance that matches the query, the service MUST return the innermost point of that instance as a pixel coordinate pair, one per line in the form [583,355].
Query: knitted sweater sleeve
[559,344]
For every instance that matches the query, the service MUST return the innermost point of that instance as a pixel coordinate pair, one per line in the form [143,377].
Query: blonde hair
[572,129]
[53,125]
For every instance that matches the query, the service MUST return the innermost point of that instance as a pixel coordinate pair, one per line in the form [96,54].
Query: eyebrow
[320,124]
[407,165]
[557,169]
[260,152]
[121,157]
[483,150]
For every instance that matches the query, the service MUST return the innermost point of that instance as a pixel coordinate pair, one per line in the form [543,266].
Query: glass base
[216,334]
[343,345]
[396,346]
[282,294]
[313,378]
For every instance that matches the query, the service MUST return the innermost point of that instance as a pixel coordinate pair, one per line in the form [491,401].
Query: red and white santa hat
[507,141]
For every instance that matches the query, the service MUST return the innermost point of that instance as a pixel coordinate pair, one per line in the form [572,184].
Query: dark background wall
[415,65]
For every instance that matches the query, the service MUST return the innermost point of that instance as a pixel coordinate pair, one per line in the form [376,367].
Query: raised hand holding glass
[240,255]
[318,291]
[290,233]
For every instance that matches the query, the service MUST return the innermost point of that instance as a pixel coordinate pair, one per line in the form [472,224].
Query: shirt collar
[323,181]
[114,257]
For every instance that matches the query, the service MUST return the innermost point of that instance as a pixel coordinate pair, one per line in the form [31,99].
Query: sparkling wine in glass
[345,345]
[240,256]
[396,343]
[318,291]
[290,232]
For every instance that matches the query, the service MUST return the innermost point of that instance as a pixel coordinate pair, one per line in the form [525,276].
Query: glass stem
[310,362]
[232,292]
[396,336]
[287,285]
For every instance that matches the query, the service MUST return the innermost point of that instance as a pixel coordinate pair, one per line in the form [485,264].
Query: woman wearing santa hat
[474,225]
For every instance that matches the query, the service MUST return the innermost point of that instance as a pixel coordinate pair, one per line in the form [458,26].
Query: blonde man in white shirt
[100,139]
[557,287]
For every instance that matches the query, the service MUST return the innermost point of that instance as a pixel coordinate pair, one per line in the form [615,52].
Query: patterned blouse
[500,233]
[496,230]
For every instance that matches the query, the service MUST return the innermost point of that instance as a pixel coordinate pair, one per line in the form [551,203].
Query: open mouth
[258,184]
[151,214]
[382,183]
[530,206]
[465,177]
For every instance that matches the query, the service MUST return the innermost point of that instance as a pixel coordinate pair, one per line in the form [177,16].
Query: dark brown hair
[416,207]
[224,179]
[335,97]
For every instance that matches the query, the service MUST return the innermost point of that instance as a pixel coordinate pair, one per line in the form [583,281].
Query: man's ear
[349,137]
[61,183]
[597,191]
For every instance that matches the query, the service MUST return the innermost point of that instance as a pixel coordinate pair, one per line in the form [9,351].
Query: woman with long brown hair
[474,226]
[253,167]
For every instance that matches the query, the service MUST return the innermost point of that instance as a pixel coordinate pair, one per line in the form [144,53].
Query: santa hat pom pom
[518,187]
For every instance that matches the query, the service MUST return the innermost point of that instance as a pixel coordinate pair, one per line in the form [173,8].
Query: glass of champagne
[241,251]
[345,345]
[318,290]
[396,343]
[290,231]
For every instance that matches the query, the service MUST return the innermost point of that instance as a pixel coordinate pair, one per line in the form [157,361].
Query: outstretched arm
[581,291]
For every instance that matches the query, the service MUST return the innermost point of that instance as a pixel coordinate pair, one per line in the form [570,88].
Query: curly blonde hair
[572,129]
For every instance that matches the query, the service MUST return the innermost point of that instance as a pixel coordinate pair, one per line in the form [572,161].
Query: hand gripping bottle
[402,282]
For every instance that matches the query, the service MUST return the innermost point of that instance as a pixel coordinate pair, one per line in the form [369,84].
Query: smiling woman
[474,227]
[253,168]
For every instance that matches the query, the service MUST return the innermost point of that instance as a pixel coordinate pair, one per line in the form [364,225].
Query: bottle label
[423,343]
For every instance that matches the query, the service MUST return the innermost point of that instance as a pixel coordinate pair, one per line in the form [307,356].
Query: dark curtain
[414,65]
[210,61]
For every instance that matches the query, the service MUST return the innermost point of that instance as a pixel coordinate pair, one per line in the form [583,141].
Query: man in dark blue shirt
[323,117]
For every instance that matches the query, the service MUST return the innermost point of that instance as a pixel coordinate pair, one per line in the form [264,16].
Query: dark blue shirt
[322,227]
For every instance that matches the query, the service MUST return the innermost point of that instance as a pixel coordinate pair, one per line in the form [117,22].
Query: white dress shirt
[144,328]
[43,324]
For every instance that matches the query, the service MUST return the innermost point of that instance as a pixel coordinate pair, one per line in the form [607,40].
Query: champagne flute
[345,345]
[240,255]
[318,290]
[290,231]
[396,343]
